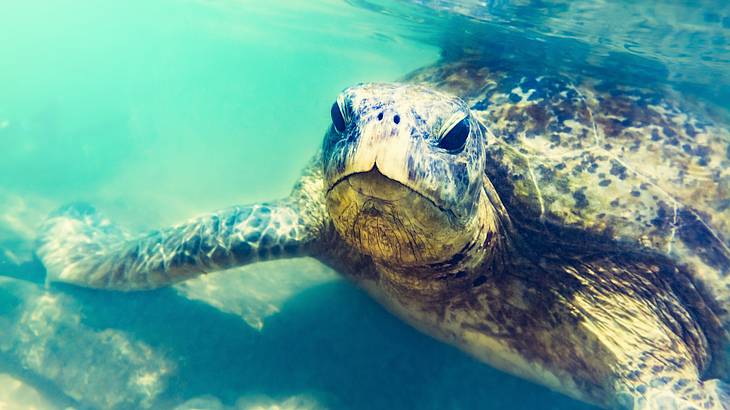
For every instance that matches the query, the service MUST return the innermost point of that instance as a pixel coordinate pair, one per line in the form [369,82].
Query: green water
[173,107]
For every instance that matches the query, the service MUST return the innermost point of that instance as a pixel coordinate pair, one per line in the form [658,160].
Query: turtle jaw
[391,222]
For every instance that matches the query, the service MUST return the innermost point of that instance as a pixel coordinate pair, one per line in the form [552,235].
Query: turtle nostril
[396,119]
[380,116]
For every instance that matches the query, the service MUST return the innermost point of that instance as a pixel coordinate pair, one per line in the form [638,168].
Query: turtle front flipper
[683,394]
[78,246]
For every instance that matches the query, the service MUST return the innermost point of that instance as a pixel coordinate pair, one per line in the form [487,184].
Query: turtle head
[404,173]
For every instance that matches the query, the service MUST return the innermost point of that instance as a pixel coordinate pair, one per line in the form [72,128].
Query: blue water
[159,110]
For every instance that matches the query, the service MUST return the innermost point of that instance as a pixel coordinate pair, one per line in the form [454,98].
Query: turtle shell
[642,168]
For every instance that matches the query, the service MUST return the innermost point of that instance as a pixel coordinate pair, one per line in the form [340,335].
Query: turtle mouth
[375,185]
[391,221]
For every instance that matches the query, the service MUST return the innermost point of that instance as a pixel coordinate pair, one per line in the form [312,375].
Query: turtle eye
[338,120]
[454,139]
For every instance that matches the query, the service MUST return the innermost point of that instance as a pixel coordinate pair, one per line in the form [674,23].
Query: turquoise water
[156,111]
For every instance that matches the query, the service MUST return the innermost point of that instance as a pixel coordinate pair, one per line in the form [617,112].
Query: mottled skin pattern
[79,246]
[540,243]
[640,167]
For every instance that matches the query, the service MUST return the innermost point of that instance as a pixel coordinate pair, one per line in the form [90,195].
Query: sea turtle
[567,230]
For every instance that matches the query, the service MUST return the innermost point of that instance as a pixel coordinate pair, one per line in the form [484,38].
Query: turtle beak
[374,184]
[390,221]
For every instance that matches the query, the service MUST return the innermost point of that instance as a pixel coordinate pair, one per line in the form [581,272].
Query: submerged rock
[254,402]
[256,292]
[44,334]
[17,394]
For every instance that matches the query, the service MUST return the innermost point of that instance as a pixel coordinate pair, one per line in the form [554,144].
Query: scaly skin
[417,223]
[78,246]
[642,168]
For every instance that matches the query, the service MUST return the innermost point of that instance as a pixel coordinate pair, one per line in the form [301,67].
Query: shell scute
[637,166]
